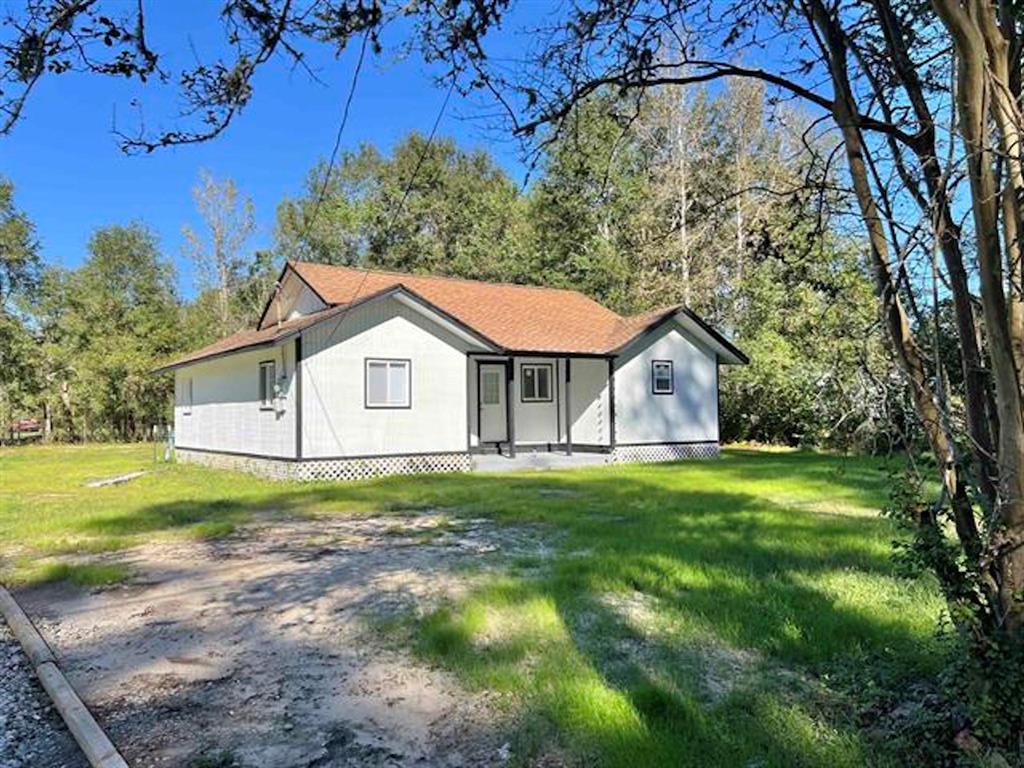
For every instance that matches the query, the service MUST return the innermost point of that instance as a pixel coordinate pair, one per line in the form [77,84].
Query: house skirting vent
[651,453]
[329,469]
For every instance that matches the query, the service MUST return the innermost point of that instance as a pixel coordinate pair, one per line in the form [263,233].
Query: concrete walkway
[526,459]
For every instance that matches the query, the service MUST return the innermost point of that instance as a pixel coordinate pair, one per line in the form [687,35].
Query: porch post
[568,406]
[510,411]
[611,402]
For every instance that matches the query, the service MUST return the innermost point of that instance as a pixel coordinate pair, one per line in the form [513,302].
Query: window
[186,396]
[268,382]
[491,394]
[388,384]
[536,383]
[662,381]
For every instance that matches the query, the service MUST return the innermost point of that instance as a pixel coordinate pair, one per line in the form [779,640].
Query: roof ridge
[454,279]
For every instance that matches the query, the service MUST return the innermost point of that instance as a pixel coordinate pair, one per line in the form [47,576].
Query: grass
[691,614]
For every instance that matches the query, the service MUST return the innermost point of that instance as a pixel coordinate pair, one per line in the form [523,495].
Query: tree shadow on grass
[723,559]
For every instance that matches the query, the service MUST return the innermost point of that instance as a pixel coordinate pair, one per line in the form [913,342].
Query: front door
[493,427]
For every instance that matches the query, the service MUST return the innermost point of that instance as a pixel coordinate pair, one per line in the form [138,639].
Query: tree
[19,276]
[220,265]
[429,206]
[105,326]
[888,67]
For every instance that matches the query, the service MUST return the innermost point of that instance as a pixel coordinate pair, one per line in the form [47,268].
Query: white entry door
[493,427]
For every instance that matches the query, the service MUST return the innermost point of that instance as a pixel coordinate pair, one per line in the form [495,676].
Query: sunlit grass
[685,615]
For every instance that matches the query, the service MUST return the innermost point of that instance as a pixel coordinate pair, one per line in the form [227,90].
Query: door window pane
[491,394]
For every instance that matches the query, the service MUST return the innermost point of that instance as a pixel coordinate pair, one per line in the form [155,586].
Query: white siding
[335,421]
[294,300]
[588,402]
[536,422]
[226,413]
[690,414]
[542,423]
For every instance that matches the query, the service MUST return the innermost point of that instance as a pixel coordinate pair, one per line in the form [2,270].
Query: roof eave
[235,350]
[726,352]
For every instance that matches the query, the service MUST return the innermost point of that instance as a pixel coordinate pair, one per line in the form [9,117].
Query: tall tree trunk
[980,409]
[975,107]
[904,345]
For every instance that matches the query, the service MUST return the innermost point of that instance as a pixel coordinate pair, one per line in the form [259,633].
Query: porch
[536,458]
[542,407]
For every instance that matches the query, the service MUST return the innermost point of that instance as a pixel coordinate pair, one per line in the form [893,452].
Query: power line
[394,218]
[405,196]
[308,220]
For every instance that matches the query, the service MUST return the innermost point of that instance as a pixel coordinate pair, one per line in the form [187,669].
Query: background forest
[691,200]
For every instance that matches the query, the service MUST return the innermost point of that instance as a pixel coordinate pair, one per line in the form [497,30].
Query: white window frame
[186,397]
[388,363]
[536,398]
[268,388]
[671,377]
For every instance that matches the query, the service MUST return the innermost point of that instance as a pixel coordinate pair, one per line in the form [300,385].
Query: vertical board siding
[689,414]
[335,421]
[226,413]
[537,422]
[589,402]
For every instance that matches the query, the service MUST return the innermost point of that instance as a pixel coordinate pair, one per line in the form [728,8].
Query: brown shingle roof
[251,338]
[514,318]
[523,318]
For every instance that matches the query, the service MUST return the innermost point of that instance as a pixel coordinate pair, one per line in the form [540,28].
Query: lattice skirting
[655,452]
[331,469]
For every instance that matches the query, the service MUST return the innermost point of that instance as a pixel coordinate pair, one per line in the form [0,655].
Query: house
[351,373]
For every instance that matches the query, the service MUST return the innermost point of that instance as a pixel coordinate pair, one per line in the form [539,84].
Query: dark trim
[479,401]
[491,448]
[718,400]
[551,383]
[270,299]
[568,406]
[217,355]
[280,279]
[667,442]
[468,329]
[366,384]
[558,399]
[670,315]
[508,352]
[332,311]
[716,335]
[319,458]
[611,402]
[510,411]
[470,364]
[672,377]
[298,396]
[263,405]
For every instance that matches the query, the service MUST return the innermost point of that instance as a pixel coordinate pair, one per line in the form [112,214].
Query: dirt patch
[260,647]
[718,668]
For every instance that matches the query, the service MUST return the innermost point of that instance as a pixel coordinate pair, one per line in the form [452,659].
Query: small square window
[388,384]
[535,386]
[268,383]
[662,381]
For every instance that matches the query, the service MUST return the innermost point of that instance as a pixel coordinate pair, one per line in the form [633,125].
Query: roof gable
[499,317]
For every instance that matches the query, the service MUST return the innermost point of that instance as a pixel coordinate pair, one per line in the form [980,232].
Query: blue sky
[71,178]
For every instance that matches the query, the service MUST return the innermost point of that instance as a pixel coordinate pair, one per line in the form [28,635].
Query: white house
[351,373]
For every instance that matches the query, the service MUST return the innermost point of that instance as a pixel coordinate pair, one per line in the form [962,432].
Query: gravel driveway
[32,735]
[261,649]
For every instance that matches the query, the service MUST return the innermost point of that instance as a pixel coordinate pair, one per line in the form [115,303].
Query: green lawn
[723,613]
